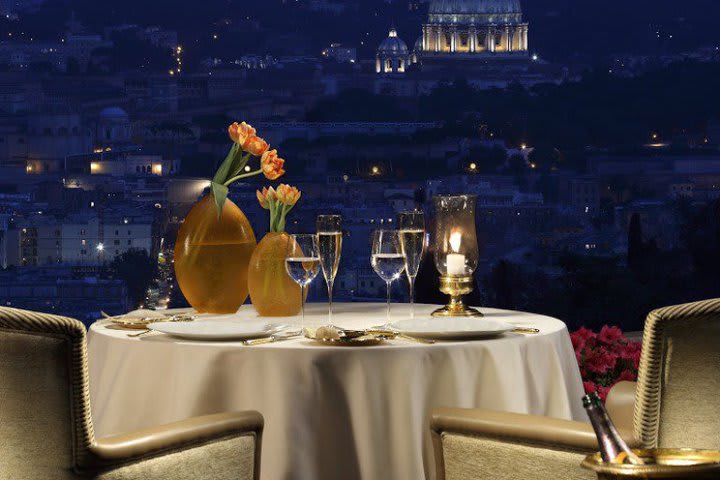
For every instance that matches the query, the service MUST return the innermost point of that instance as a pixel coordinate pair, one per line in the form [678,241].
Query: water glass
[302,263]
[387,259]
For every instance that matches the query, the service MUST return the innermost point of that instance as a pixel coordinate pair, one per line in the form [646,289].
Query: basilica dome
[393,55]
[393,45]
[469,7]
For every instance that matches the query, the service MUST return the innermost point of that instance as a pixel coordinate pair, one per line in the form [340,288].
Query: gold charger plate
[362,341]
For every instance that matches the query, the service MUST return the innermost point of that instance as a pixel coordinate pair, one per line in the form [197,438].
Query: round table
[335,412]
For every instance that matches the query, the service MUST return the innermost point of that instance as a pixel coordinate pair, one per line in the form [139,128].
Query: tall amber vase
[272,291]
[212,256]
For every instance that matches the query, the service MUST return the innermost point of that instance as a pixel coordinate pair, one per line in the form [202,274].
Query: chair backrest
[678,392]
[45,424]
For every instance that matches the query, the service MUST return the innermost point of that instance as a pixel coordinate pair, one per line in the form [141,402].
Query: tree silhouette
[138,270]
[635,243]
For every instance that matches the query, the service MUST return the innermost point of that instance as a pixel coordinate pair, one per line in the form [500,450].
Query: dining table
[335,412]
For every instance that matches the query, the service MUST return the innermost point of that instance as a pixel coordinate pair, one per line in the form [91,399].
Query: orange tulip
[255,146]
[241,132]
[265,197]
[288,195]
[272,165]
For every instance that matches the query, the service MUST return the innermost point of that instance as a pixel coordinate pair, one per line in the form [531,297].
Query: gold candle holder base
[456,287]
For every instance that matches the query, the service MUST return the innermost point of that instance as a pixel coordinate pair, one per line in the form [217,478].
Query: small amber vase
[272,292]
[212,256]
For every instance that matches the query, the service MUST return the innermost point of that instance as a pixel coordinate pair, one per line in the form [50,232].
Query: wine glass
[412,241]
[302,262]
[387,259]
[329,232]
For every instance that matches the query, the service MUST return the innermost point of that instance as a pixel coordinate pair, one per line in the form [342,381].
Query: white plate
[451,328]
[212,329]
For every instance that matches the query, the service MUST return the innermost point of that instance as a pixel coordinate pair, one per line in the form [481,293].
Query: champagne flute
[302,262]
[412,241]
[387,259]
[329,228]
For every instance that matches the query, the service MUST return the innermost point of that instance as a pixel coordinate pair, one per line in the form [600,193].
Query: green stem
[244,175]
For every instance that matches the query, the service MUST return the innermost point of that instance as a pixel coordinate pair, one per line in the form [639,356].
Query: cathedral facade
[466,34]
[475,27]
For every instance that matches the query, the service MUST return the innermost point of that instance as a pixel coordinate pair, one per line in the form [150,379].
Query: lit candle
[455,261]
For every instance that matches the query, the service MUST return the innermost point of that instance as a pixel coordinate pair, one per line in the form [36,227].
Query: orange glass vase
[272,292]
[212,256]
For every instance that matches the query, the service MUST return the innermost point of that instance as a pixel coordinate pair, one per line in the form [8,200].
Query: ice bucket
[665,463]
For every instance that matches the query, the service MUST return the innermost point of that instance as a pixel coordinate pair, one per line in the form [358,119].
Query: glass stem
[330,289]
[302,305]
[388,304]
[412,296]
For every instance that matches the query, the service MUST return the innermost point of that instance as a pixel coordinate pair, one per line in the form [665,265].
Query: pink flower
[580,337]
[610,335]
[585,333]
[602,362]
[589,386]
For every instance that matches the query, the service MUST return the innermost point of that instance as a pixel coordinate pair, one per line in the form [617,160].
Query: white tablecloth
[335,412]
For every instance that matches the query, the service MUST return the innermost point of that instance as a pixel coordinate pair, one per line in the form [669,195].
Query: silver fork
[271,339]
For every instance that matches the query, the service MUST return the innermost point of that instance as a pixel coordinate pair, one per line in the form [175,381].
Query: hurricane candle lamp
[456,252]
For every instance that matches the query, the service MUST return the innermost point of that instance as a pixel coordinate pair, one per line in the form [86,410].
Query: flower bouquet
[605,358]
[215,241]
[272,291]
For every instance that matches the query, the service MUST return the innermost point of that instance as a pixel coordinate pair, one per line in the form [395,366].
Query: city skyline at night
[596,164]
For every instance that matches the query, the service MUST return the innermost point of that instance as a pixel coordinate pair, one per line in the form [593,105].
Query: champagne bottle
[613,448]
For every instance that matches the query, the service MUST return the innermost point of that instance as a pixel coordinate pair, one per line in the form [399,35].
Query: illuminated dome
[482,7]
[393,45]
[392,54]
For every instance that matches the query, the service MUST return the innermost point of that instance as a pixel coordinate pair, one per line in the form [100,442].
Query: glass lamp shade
[456,246]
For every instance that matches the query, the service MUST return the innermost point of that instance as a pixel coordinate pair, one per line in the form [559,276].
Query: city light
[100,247]
[473,166]
[375,170]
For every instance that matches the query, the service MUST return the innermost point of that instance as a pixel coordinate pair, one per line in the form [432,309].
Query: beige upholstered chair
[46,430]
[675,403]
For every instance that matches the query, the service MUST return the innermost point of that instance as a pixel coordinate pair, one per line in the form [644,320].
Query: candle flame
[455,239]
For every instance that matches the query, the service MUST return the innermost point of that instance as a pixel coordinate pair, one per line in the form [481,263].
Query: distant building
[76,50]
[483,41]
[467,30]
[75,240]
[113,128]
[340,53]
[392,55]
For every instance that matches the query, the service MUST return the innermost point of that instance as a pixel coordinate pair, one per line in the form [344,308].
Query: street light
[100,247]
